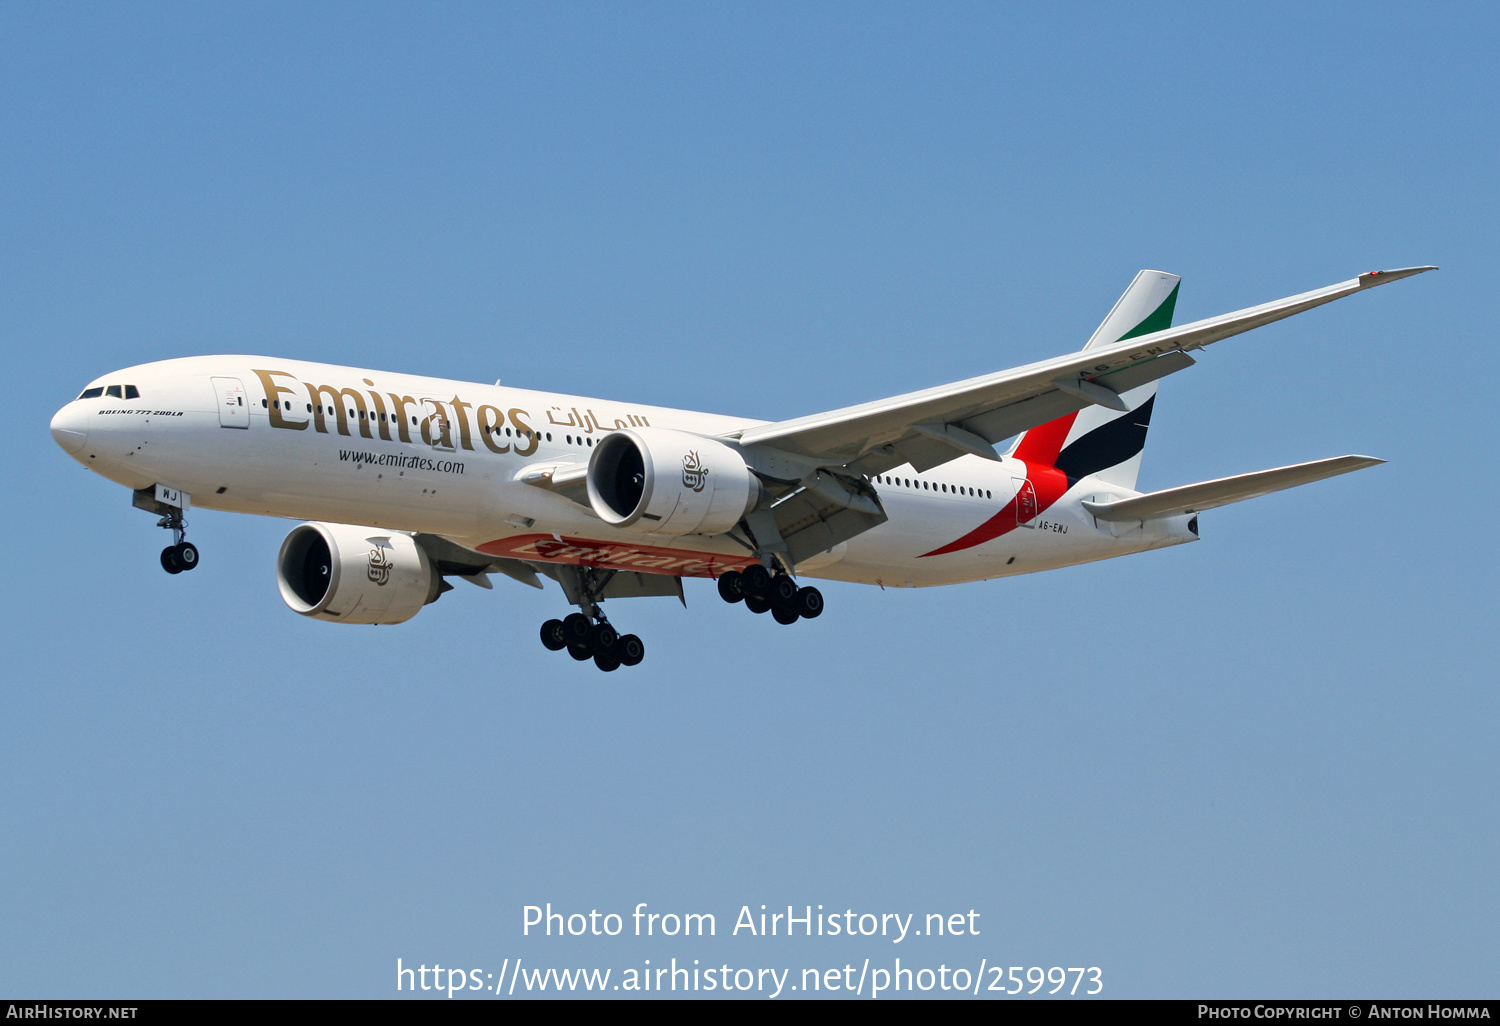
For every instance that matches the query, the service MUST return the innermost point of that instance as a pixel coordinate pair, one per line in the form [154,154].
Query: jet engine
[354,574]
[659,481]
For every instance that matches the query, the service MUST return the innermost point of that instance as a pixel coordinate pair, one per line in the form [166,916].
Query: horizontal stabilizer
[1208,494]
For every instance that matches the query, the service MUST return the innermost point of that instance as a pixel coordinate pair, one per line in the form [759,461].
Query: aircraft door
[437,424]
[1025,502]
[234,411]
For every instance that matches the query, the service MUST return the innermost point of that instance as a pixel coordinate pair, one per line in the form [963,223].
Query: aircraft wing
[1209,494]
[935,425]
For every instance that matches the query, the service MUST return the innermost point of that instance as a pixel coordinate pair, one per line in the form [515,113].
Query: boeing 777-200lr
[617,500]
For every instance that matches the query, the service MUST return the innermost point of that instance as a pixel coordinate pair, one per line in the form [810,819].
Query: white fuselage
[308,441]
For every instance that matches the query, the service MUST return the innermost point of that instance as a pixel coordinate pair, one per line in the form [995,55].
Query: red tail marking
[1039,446]
[1050,485]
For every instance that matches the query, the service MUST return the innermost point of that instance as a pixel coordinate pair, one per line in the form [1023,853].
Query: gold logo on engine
[694,473]
[380,567]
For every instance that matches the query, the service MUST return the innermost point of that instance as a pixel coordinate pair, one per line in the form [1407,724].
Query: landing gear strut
[588,635]
[776,594]
[595,639]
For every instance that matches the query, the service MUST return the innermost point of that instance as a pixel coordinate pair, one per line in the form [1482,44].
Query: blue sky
[1260,765]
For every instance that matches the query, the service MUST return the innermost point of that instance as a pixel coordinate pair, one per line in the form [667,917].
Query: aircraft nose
[70,429]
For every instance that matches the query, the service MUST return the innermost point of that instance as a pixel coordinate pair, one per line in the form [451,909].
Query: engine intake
[352,574]
[660,481]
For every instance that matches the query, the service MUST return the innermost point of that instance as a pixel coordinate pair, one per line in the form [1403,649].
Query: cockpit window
[113,391]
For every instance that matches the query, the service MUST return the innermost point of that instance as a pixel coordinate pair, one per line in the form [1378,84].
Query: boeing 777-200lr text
[617,500]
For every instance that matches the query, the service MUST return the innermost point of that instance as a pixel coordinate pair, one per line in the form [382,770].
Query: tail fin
[1095,440]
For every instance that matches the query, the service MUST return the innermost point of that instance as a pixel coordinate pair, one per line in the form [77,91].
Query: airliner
[405,483]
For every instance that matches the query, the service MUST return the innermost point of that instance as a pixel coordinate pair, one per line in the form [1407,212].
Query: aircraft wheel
[602,640]
[187,555]
[631,650]
[755,581]
[576,629]
[553,637]
[580,652]
[757,605]
[169,560]
[784,614]
[731,586]
[607,662]
[809,603]
[783,591]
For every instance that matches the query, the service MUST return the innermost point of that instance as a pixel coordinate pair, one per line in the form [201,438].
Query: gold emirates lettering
[349,411]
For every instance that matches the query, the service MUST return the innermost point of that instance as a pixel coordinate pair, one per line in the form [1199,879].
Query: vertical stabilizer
[1096,440]
[1145,307]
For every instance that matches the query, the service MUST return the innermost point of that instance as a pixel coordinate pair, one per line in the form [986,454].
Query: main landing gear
[778,594]
[181,554]
[586,638]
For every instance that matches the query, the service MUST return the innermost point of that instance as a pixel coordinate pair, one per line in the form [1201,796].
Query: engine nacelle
[659,481]
[354,574]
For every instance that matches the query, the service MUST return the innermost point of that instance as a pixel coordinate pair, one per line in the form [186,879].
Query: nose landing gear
[177,558]
[170,504]
[777,594]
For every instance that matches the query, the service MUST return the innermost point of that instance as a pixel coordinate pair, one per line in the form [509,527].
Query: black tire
[603,639]
[757,605]
[576,629]
[169,560]
[755,581]
[809,603]
[607,663]
[783,593]
[552,636]
[187,555]
[631,650]
[580,652]
[731,586]
[784,614]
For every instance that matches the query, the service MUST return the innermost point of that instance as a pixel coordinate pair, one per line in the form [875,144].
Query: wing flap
[1194,498]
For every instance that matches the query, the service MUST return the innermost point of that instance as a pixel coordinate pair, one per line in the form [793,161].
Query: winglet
[1372,278]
